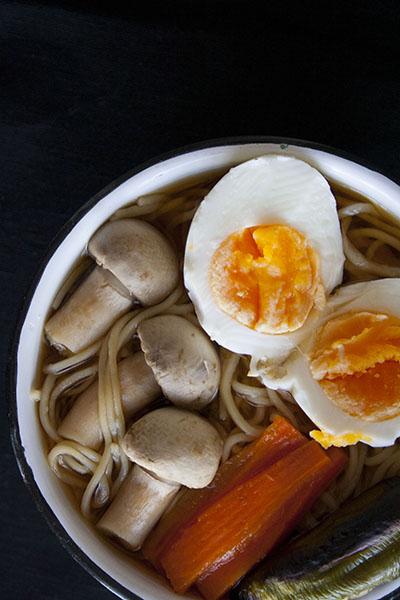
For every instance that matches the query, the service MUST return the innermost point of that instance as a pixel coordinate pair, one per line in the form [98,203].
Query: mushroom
[174,447]
[138,389]
[131,516]
[183,359]
[88,313]
[135,262]
[139,256]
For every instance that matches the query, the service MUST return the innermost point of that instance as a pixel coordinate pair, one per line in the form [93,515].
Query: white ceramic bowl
[113,568]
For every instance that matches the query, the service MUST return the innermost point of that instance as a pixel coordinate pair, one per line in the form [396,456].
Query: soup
[91,400]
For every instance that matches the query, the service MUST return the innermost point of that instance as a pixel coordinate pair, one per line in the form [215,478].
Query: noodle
[91,487]
[259,416]
[232,441]
[44,412]
[244,406]
[379,224]
[228,368]
[359,261]
[66,384]
[254,395]
[378,456]
[70,281]
[58,459]
[282,408]
[70,363]
[357,208]
[181,309]
[391,462]
[382,236]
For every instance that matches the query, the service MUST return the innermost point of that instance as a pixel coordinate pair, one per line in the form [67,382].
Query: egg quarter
[347,378]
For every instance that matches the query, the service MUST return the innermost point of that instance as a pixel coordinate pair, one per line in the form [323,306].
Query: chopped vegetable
[252,514]
[276,441]
[221,577]
[354,550]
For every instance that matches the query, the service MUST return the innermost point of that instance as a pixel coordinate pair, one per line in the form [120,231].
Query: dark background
[88,90]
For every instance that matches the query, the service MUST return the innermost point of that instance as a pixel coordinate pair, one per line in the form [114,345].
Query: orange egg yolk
[340,441]
[356,360]
[266,278]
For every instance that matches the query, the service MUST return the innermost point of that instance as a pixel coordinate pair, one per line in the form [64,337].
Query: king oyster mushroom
[170,447]
[135,262]
[182,358]
[138,389]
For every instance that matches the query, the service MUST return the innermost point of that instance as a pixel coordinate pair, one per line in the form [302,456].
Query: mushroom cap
[139,256]
[176,445]
[183,359]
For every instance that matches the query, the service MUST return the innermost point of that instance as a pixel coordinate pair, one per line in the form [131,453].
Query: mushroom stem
[136,509]
[88,313]
[138,389]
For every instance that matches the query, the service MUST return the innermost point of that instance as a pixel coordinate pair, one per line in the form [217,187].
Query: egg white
[271,189]
[377,296]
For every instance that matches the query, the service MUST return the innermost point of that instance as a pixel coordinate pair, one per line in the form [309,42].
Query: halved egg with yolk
[264,251]
[346,377]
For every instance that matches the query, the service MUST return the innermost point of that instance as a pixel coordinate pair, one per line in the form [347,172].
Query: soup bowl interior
[116,569]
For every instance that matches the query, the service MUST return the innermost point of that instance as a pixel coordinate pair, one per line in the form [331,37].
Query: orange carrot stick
[276,441]
[222,576]
[228,524]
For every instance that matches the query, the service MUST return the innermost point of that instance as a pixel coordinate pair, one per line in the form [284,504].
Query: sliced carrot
[223,575]
[252,507]
[276,441]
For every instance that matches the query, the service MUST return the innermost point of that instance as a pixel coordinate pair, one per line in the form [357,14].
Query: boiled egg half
[346,376]
[264,251]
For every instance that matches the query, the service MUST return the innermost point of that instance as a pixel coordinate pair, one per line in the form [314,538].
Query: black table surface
[88,90]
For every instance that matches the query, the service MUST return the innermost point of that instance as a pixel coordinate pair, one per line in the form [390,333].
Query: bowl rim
[11,365]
